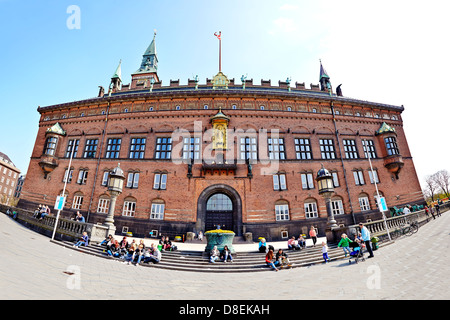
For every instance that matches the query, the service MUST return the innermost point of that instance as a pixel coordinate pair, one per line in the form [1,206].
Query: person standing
[326,258]
[365,235]
[313,235]
[345,244]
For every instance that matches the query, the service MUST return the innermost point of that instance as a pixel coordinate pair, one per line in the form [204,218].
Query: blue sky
[392,52]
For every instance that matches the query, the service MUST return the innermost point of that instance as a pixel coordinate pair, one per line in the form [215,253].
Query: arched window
[219,202]
[337,207]
[77,200]
[311,208]
[103,204]
[129,207]
[364,204]
[281,210]
[157,210]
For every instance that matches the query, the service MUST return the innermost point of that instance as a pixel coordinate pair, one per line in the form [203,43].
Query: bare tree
[431,186]
[442,180]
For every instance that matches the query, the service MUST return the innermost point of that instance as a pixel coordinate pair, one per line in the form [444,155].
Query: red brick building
[244,156]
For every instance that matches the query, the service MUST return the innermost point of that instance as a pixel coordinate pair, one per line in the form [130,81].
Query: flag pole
[64,189]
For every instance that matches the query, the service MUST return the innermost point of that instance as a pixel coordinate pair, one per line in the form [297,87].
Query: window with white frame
[105,178]
[160,181]
[335,179]
[191,148]
[303,149]
[327,149]
[103,205]
[364,203]
[73,144]
[133,180]
[248,148]
[129,208]
[50,146]
[157,211]
[68,174]
[350,149]
[279,181]
[82,176]
[373,175]
[281,211]
[307,181]
[276,148]
[311,209]
[369,149]
[337,206]
[359,177]
[77,201]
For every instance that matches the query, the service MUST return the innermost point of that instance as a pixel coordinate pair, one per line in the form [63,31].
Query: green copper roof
[56,128]
[149,59]
[118,73]
[384,129]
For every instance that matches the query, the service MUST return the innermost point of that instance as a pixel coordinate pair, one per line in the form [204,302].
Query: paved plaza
[415,267]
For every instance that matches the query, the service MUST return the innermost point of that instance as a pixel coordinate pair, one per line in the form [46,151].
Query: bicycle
[406,229]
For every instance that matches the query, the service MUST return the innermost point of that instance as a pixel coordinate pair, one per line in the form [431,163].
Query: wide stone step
[197,261]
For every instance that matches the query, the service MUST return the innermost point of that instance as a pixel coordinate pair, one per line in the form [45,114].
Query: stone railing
[66,229]
[378,228]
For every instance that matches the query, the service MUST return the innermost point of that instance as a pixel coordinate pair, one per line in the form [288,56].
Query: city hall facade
[240,155]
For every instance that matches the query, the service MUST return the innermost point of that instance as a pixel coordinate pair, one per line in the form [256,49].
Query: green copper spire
[118,73]
[149,59]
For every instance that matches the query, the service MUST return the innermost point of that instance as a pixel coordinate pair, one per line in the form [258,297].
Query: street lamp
[326,190]
[115,186]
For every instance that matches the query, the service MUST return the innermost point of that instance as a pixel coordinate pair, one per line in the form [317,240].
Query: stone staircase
[197,261]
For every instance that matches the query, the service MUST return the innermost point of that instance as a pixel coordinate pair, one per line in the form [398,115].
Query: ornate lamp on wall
[326,190]
[115,187]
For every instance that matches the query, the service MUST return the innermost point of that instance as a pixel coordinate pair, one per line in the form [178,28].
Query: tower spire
[324,79]
[149,67]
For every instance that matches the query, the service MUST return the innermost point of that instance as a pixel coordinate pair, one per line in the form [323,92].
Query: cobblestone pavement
[415,267]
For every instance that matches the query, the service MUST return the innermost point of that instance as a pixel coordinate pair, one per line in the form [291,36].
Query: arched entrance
[219,204]
[219,211]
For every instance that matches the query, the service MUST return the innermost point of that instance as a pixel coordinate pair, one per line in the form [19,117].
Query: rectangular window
[364,203]
[391,146]
[77,202]
[335,179]
[373,176]
[133,180]
[302,149]
[163,148]
[129,208]
[68,175]
[369,149]
[50,146]
[82,176]
[137,148]
[73,144]
[311,210]
[105,178]
[90,149]
[113,148]
[276,148]
[157,211]
[248,148]
[350,149]
[327,149]
[191,148]
[279,181]
[359,177]
[159,182]
[103,205]
[307,181]
[282,212]
[337,207]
